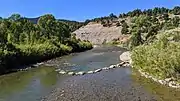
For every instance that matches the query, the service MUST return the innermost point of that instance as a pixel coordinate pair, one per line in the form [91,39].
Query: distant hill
[33,20]
[73,25]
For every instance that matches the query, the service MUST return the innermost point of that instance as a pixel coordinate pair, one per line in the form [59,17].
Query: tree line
[157,11]
[152,12]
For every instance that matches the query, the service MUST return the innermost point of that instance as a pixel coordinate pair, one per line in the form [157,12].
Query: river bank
[171,82]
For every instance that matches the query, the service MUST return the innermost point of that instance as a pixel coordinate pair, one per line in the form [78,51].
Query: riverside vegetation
[161,57]
[22,42]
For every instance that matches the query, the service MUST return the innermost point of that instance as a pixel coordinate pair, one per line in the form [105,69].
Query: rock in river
[57,70]
[168,79]
[71,73]
[62,72]
[105,68]
[120,64]
[125,57]
[98,70]
[112,66]
[173,84]
[90,72]
[80,73]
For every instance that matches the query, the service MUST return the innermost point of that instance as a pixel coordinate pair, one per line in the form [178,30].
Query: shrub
[160,58]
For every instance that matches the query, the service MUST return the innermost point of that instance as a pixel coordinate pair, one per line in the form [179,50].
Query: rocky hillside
[98,34]
[135,23]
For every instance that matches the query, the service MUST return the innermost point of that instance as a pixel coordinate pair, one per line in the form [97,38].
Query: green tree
[176,10]
[62,31]
[148,12]
[153,30]
[15,29]
[23,38]
[112,15]
[136,39]
[46,24]
[10,37]
[125,28]
[176,21]
[136,12]
[165,17]
[15,17]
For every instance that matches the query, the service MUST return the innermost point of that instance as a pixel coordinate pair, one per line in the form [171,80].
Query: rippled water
[113,85]
[90,60]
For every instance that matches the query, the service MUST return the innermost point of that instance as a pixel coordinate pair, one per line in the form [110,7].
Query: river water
[120,84]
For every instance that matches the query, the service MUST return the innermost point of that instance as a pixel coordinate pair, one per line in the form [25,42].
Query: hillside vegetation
[117,28]
[23,42]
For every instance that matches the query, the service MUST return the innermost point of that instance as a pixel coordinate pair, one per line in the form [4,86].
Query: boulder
[57,70]
[154,79]
[105,68]
[90,72]
[173,84]
[35,65]
[71,73]
[168,79]
[112,66]
[80,73]
[98,70]
[125,57]
[126,65]
[41,63]
[62,72]
[120,64]
[162,82]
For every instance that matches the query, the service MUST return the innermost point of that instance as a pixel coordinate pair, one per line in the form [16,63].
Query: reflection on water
[27,83]
[162,92]
[91,60]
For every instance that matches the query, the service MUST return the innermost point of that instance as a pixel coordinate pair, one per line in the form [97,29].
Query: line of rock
[122,64]
[31,66]
[171,82]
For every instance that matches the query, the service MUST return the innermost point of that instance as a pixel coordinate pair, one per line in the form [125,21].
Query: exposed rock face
[97,34]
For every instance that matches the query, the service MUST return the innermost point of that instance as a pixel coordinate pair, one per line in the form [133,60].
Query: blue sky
[79,10]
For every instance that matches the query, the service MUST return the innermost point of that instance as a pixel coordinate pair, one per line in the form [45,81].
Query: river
[121,84]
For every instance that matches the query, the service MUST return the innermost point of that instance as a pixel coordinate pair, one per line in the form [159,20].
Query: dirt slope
[97,34]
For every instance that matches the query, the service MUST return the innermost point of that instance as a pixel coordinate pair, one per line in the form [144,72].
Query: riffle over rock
[122,64]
